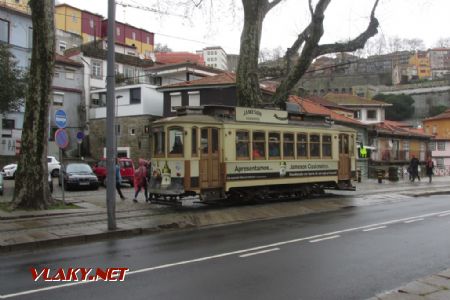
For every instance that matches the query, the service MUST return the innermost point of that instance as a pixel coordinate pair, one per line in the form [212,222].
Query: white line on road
[325,238]
[374,228]
[185,262]
[414,220]
[444,215]
[259,252]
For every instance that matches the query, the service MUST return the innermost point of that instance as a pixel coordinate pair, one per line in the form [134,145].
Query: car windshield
[78,168]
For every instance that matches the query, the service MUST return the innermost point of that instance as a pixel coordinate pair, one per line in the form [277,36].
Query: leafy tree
[402,106]
[12,83]
[31,188]
[437,110]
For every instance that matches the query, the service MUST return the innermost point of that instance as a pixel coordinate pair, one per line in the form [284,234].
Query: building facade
[136,107]
[215,57]
[439,127]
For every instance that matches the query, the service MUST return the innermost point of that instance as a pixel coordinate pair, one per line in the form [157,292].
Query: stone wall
[134,133]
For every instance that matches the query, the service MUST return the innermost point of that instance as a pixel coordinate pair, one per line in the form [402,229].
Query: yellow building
[422,63]
[19,5]
[439,125]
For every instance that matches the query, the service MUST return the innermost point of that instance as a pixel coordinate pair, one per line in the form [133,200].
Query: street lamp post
[111,150]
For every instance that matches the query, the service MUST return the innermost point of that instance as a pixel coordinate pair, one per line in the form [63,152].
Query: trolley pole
[110,116]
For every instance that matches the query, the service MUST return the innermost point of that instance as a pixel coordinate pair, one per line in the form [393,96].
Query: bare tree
[443,42]
[308,42]
[31,188]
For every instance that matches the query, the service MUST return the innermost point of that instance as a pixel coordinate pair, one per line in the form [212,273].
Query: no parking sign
[61,138]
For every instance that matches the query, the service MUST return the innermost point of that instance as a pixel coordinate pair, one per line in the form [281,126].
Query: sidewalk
[29,230]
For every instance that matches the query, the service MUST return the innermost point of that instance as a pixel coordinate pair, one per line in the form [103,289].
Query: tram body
[248,153]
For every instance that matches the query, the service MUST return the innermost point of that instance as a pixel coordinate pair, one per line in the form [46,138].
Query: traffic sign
[60,118]
[61,138]
[80,136]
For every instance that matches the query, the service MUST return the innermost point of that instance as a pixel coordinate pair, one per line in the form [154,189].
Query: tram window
[343,144]
[194,139]
[274,145]
[326,145]
[288,145]
[314,145]
[214,140]
[176,140]
[302,145]
[204,141]
[259,145]
[158,143]
[242,145]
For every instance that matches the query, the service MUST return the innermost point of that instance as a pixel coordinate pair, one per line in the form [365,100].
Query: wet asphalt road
[349,254]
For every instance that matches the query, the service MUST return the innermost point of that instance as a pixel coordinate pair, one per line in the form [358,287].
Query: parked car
[53,166]
[126,170]
[9,171]
[1,184]
[79,175]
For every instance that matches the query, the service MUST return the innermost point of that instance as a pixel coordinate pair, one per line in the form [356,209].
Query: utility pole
[111,151]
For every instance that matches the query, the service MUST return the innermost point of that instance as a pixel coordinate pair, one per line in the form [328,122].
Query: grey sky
[428,20]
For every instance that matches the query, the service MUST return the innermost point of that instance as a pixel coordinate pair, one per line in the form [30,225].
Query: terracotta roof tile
[178,57]
[311,107]
[398,128]
[226,78]
[444,115]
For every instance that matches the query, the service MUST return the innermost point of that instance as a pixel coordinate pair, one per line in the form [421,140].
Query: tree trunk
[247,83]
[31,187]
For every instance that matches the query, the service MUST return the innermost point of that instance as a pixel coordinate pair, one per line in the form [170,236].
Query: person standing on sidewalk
[414,166]
[119,180]
[429,167]
[140,180]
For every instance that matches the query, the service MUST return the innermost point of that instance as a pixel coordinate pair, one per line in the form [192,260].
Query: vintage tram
[247,153]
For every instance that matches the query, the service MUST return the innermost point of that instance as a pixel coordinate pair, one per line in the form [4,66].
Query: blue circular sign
[60,118]
[80,135]
[61,138]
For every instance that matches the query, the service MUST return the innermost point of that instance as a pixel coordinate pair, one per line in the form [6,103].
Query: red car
[126,170]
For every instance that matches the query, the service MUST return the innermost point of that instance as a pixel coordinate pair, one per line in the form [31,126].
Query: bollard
[380,176]
[358,174]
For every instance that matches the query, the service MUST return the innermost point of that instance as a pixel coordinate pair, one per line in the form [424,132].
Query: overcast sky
[428,20]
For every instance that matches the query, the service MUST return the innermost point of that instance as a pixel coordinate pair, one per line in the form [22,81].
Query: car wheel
[13,176]
[1,193]
[131,183]
[55,173]
[103,182]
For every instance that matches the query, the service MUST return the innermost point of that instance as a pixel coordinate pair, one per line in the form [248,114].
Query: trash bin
[393,173]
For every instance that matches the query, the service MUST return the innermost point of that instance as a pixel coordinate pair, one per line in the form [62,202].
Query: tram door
[209,158]
[344,168]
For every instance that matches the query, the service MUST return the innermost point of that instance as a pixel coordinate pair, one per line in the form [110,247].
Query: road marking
[225,254]
[374,228]
[414,220]
[325,238]
[444,215]
[259,252]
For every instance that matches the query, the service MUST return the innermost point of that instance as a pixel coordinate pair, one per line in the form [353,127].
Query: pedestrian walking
[414,167]
[119,180]
[429,166]
[140,180]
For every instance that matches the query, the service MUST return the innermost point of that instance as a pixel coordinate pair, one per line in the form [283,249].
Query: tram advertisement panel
[279,169]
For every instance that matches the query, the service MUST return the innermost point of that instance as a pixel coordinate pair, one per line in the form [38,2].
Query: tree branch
[355,44]
[311,10]
[272,4]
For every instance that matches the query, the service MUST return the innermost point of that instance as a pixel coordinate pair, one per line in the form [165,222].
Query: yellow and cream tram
[248,153]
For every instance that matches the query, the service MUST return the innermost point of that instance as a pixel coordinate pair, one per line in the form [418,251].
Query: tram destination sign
[247,114]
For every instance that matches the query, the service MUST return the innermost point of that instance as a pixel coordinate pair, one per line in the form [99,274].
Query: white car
[53,166]
[9,171]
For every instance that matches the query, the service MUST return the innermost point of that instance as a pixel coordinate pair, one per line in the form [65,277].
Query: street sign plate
[80,136]
[60,118]
[61,138]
